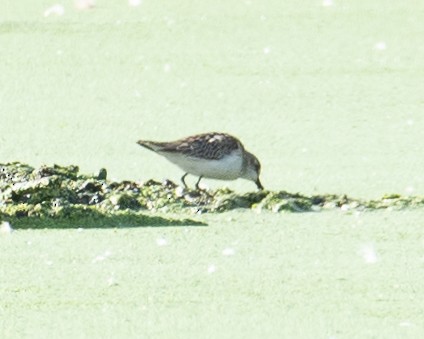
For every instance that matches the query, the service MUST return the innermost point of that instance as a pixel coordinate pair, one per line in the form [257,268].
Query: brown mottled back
[212,146]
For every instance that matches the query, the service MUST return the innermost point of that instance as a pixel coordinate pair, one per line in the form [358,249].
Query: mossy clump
[396,201]
[62,192]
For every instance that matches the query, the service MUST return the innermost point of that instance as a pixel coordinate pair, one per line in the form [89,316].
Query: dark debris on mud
[61,191]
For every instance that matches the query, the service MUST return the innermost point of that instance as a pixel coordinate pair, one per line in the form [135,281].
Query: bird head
[252,169]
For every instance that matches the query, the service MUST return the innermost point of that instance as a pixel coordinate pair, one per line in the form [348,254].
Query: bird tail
[150,145]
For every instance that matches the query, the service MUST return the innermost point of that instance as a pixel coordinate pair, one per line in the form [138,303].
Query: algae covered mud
[62,193]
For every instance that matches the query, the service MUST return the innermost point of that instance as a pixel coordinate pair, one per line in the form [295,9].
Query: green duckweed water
[327,93]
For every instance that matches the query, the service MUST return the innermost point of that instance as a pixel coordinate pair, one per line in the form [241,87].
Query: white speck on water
[134,3]
[5,228]
[111,281]
[380,46]
[169,21]
[228,251]
[137,94]
[263,17]
[84,4]
[327,3]
[102,257]
[409,189]
[211,269]
[267,50]
[161,242]
[409,122]
[57,10]
[304,150]
[167,68]
[80,229]
[405,324]
[49,262]
[369,254]
[358,214]
[59,52]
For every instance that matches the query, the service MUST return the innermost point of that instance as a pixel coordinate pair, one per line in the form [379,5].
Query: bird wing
[211,146]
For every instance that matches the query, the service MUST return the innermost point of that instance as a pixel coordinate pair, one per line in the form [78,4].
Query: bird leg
[197,183]
[258,183]
[182,179]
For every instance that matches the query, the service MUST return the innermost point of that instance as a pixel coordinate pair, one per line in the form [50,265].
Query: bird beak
[258,183]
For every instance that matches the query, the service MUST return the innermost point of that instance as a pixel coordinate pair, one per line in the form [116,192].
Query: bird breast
[229,167]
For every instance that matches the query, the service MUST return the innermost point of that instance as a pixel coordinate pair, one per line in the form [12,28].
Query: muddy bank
[63,192]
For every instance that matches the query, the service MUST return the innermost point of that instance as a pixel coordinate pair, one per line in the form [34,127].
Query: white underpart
[228,168]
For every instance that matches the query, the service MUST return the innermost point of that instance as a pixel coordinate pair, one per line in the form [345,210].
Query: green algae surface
[246,275]
[328,95]
[306,87]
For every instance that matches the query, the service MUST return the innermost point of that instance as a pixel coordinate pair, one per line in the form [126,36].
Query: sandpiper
[210,155]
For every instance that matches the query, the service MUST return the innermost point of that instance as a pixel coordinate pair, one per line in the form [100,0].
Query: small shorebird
[210,155]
